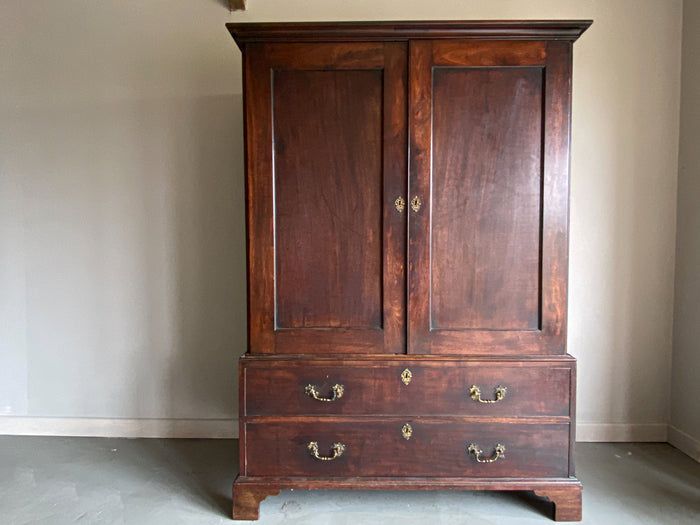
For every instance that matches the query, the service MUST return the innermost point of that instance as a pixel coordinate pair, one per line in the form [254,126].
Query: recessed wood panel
[327,132]
[486,198]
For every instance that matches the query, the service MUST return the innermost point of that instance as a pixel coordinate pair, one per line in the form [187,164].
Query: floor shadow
[205,469]
[540,504]
[198,471]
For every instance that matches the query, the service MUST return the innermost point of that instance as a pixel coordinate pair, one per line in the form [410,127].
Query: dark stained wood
[485,225]
[419,125]
[379,359]
[487,53]
[416,483]
[259,200]
[328,341]
[496,284]
[395,185]
[326,252]
[247,498]
[568,30]
[436,448]
[437,387]
[358,55]
[555,217]
[565,493]
[566,499]
[328,208]
[572,416]
[242,403]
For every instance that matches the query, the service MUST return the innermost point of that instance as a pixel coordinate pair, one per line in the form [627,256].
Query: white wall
[685,382]
[122,267]
[122,246]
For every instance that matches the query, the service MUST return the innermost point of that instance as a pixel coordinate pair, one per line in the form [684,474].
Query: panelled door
[326,159]
[489,128]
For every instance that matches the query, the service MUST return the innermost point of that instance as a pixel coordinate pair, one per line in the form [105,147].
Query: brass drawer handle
[338,391]
[475,393]
[474,449]
[337,448]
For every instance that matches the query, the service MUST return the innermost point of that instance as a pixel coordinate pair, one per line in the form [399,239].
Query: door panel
[328,207]
[485,229]
[487,249]
[326,132]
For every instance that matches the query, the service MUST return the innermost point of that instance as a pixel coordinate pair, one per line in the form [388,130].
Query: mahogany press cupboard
[407,222]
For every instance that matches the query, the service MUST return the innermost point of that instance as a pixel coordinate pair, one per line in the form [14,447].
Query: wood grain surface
[437,447]
[486,193]
[539,388]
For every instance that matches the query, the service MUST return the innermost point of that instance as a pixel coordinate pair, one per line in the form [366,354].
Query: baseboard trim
[118,427]
[684,442]
[228,429]
[606,432]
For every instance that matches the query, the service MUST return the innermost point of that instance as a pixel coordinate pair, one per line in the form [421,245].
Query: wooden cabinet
[407,215]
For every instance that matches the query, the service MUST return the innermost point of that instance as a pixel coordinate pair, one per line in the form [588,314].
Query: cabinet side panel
[328,198]
[486,194]
[555,217]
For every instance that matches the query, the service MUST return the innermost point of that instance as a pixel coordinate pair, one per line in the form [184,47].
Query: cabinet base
[564,493]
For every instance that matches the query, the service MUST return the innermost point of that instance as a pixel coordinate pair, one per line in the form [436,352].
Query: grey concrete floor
[58,481]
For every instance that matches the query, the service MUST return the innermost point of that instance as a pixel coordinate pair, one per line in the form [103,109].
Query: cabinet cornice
[244,33]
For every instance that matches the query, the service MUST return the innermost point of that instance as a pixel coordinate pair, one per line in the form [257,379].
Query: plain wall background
[122,266]
[685,383]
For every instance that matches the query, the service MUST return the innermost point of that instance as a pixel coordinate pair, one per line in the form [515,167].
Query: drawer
[435,387]
[435,448]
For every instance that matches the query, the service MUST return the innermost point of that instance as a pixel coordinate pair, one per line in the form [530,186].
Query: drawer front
[306,387]
[433,449]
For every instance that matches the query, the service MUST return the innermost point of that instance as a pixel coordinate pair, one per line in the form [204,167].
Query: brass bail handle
[499,453]
[337,393]
[499,392]
[337,448]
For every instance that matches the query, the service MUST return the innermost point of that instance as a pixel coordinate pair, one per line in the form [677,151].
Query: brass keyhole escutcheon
[407,431]
[416,203]
[400,204]
[406,376]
